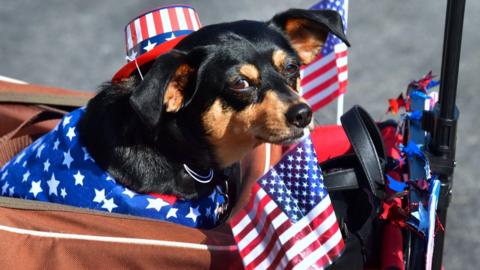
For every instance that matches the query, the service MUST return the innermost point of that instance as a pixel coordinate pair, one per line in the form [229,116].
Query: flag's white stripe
[312,67]
[343,76]
[193,18]
[167,27]
[182,22]
[342,61]
[269,207]
[320,252]
[319,80]
[138,30]
[323,94]
[266,263]
[151,25]
[113,239]
[246,219]
[247,239]
[313,236]
[299,225]
[129,38]
[258,250]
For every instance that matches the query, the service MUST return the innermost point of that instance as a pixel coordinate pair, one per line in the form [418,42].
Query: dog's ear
[308,29]
[163,87]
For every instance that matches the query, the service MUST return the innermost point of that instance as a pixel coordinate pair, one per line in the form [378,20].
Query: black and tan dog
[223,90]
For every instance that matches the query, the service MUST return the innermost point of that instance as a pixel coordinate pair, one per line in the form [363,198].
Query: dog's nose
[299,115]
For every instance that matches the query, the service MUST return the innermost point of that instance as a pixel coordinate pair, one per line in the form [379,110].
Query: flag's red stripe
[331,255]
[342,69]
[302,233]
[313,246]
[321,87]
[134,34]
[173,19]
[258,213]
[341,54]
[157,20]
[321,103]
[262,234]
[271,244]
[187,18]
[318,72]
[343,87]
[143,27]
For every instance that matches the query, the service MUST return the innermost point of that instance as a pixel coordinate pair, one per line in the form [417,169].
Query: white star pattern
[156,204]
[63,192]
[193,214]
[39,150]
[4,188]
[19,158]
[298,193]
[129,193]
[71,133]
[53,185]
[46,165]
[109,205]
[172,213]
[79,178]
[86,155]
[99,195]
[61,170]
[149,46]
[25,176]
[55,144]
[132,56]
[67,159]
[4,175]
[36,188]
[66,120]
[171,37]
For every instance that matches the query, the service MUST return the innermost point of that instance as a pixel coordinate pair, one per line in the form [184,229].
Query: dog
[198,109]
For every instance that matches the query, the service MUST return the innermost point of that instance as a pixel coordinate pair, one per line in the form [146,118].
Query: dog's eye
[240,85]
[291,69]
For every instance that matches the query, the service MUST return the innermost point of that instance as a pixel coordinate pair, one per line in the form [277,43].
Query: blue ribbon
[395,185]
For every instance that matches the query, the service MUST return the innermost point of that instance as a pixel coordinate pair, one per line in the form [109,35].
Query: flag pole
[341,98]
[340,101]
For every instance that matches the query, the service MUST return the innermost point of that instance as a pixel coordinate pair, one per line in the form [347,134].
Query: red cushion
[330,141]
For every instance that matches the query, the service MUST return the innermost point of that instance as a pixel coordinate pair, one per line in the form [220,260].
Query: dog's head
[235,84]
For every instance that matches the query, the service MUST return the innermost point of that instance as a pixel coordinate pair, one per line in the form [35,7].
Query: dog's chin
[294,137]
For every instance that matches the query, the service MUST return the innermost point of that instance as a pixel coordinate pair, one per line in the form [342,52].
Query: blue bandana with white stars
[57,168]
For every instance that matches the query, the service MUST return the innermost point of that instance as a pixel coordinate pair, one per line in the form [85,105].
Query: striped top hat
[156,32]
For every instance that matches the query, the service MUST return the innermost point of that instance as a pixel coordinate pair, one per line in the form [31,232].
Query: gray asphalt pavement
[79,44]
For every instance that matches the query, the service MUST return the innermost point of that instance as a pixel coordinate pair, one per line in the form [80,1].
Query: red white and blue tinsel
[58,168]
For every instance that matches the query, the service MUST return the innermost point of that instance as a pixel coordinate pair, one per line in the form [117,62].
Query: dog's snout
[299,115]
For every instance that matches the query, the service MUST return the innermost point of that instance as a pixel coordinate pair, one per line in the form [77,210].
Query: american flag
[289,222]
[327,76]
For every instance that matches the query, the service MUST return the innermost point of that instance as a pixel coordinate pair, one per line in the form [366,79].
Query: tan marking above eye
[250,72]
[278,59]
